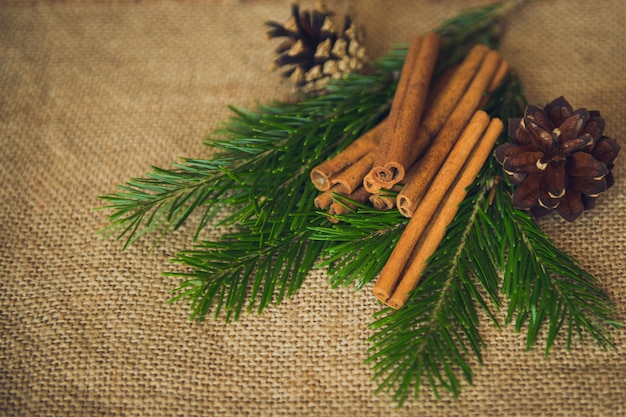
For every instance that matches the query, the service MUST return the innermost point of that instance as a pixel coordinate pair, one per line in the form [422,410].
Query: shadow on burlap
[95,93]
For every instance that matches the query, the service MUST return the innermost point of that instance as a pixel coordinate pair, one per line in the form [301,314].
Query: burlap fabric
[93,93]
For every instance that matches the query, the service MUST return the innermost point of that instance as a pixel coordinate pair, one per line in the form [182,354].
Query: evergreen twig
[545,287]
[259,177]
[431,338]
[358,245]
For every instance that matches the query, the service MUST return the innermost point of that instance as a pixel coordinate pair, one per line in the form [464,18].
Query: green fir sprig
[434,335]
[259,176]
[256,180]
[358,245]
[545,287]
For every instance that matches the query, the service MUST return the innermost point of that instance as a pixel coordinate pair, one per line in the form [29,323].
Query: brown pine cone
[312,51]
[559,159]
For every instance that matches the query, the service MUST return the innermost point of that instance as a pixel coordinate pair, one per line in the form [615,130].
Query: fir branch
[259,177]
[222,275]
[358,244]
[430,339]
[546,288]
[434,335]
[165,198]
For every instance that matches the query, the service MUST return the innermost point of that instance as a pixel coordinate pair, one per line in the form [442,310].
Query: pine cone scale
[605,150]
[588,186]
[528,193]
[555,180]
[525,162]
[572,127]
[571,206]
[559,110]
[582,164]
[576,144]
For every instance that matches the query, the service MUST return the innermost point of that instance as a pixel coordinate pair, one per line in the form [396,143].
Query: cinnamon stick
[406,111]
[360,195]
[321,174]
[408,202]
[451,90]
[325,199]
[397,103]
[370,184]
[384,200]
[351,178]
[423,171]
[444,216]
[440,186]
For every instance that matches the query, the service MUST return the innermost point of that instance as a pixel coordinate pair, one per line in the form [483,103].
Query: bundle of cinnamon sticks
[421,158]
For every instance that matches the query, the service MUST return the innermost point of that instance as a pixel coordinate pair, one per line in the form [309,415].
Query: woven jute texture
[94,93]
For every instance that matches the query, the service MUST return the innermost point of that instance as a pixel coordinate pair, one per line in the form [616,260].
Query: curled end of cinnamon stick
[360,195]
[320,180]
[388,176]
[405,206]
[397,172]
[381,175]
[395,304]
[382,203]
[326,198]
[322,201]
[336,209]
[381,294]
[370,184]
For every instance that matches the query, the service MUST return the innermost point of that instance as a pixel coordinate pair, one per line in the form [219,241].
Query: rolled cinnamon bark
[325,199]
[382,203]
[360,195]
[351,178]
[444,216]
[397,104]
[423,171]
[394,152]
[370,184]
[384,200]
[440,186]
[321,175]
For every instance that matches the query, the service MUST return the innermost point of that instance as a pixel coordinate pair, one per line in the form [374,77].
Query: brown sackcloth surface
[94,93]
